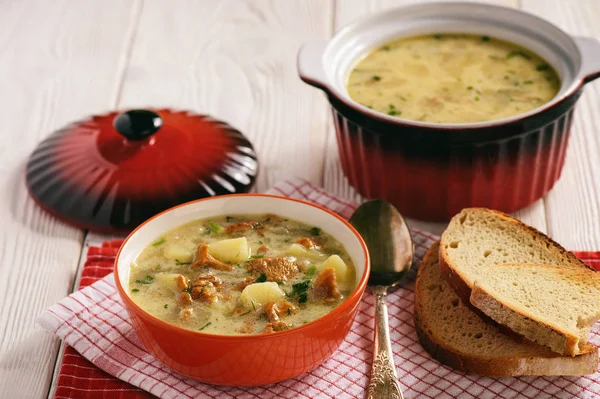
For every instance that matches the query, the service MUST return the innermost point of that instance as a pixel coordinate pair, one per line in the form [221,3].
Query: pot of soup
[442,106]
[242,289]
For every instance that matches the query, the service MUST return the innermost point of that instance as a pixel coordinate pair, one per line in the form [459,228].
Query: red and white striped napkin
[95,324]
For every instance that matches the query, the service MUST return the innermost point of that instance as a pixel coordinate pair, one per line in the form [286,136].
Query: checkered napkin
[97,328]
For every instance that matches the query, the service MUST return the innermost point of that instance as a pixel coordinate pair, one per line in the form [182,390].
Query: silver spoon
[391,250]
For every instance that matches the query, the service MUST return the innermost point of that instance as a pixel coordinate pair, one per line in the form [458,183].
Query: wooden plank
[573,206]
[58,62]
[236,60]
[335,181]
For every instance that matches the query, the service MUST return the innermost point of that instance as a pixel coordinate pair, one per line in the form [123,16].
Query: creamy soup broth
[236,275]
[452,78]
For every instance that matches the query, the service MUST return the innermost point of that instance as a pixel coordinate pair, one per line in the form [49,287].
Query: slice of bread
[555,306]
[455,335]
[478,238]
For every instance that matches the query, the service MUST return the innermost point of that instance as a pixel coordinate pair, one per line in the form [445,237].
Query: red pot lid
[111,172]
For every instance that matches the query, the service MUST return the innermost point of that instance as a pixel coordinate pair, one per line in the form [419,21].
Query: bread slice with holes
[479,238]
[456,336]
[554,306]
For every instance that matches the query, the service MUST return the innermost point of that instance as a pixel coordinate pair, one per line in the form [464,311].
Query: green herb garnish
[289,312]
[542,67]
[386,48]
[253,307]
[376,78]
[315,231]
[311,271]
[245,313]
[159,242]
[134,290]
[214,228]
[393,112]
[262,278]
[470,88]
[528,82]
[204,326]
[485,38]
[229,218]
[258,256]
[299,290]
[280,283]
[302,298]
[438,36]
[180,263]
[166,306]
[477,98]
[519,53]
[146,280]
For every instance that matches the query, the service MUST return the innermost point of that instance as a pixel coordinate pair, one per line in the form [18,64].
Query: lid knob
[137,124]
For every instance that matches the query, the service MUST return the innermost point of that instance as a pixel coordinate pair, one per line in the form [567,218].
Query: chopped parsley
[386,48]
[302,298]
[166,306]
[311,271]
[245,313]
[146,280]
[289,311]
[315,231]
[477,98]
[253,306]
[134,290]
[229,219]
[262,278]
[393,112]
[485,38]
[518,53]
[258,256]
[180,263]
[215,228]
[204,326]
[438,36]
[528,82]
[158,242]
[470,88]
[376,78]
[299,291]
[542,67]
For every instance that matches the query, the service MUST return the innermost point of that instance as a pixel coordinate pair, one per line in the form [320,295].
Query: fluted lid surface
[111,172]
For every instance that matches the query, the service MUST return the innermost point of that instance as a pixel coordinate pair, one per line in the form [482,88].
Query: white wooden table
[236,60]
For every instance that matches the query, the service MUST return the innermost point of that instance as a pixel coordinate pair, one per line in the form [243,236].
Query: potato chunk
[337,264]
[257,295]
[300,251]
[234,250]
[179,252]
[167,280]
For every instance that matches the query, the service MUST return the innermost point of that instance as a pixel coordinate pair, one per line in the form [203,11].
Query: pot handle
[589,48]
[310,64]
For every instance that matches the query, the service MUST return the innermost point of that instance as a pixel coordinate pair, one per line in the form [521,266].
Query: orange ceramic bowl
[252,359]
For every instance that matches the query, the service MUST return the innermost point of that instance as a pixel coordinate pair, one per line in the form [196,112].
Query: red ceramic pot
[431,171]
[250,359]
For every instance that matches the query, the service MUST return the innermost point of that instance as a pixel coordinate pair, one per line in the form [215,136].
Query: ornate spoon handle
[384,382]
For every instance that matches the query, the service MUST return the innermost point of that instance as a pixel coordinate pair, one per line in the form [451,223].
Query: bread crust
[585,363]
[563,342]
[450,270]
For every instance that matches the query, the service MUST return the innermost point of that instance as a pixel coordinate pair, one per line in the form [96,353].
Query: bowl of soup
[242,289]
[441,106]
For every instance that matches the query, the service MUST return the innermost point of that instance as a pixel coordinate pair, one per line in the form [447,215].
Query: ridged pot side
[432,174]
